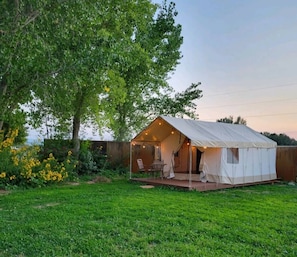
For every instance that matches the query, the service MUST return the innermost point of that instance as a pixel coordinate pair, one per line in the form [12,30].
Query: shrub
[91,160]
[22,167]
[87,164]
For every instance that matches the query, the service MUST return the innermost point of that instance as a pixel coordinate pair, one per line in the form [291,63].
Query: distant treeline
[280,139]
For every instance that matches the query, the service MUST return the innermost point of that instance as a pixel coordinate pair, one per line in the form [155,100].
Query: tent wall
[211,164]
[254,165]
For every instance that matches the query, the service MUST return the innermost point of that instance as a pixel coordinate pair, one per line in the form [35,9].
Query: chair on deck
[153,169]
[141,166]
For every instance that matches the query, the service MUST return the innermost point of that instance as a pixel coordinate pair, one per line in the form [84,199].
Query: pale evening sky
[244,52]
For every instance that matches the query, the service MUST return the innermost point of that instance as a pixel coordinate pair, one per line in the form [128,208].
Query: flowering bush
[22,167]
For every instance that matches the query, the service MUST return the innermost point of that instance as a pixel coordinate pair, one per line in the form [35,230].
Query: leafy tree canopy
[178,105]
[92,62]
[22,55]
[109,63]
[148,93]
[281,139]
[87,45]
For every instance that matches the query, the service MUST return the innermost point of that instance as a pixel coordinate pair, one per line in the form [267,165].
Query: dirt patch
[4,192]
[147,186]
[45,205]
[99,179]
[73,183]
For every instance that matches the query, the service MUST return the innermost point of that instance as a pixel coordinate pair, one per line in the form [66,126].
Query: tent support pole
[190,166]
[130,160]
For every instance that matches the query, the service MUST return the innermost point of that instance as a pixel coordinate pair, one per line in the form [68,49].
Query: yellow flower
[15,160]
[69,153]
[13,151]
[12,177]
[2,175]
[8,142]
[106,89]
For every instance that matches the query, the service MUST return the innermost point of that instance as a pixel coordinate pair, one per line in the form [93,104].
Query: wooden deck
[194,185]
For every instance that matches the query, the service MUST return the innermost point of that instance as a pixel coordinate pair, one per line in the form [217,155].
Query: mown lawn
[123,219]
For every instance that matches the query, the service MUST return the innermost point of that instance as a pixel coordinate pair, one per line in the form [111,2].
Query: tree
[21,55]
[87,61]
[281,139]
[239,120]
[177,106]
[90,43]
[122,60]
[147,90]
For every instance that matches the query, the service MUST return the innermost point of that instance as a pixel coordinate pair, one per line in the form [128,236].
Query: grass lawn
[123,219]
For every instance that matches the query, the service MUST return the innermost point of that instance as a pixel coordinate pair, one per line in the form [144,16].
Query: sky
[244,52]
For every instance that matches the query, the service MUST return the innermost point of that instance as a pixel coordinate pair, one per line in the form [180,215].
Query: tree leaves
[91,61]
[239,120]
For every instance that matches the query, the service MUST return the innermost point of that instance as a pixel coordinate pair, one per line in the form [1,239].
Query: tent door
[198,159]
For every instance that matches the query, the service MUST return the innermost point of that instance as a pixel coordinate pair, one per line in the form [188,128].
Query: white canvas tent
[232,154]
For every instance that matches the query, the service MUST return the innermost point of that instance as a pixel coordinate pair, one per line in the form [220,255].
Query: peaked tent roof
[205,134]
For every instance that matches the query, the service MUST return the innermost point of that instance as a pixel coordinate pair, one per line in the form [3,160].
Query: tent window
[232,155]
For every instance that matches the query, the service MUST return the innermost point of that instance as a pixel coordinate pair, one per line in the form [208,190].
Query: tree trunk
[75,133]
[121,130]
[3,89]
[79,101]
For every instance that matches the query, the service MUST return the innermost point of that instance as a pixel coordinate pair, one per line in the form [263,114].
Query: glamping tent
[219,152]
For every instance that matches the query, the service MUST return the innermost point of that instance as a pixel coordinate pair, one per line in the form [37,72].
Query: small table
[158,166]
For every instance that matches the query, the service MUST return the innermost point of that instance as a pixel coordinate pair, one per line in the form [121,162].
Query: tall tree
[239,120]
[90,43]
[145,81]
[109,62]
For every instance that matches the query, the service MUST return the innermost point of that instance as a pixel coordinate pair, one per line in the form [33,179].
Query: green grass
[123,219]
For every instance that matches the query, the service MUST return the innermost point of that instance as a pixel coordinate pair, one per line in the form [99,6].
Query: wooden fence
[286,163]
[117,153]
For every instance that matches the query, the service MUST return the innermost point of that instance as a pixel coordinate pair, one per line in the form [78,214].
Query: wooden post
[190,166]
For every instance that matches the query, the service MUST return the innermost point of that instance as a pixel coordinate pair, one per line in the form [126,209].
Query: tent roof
[204,134]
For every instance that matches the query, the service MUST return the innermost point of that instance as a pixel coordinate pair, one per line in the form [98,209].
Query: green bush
[91,161]
[22,167]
